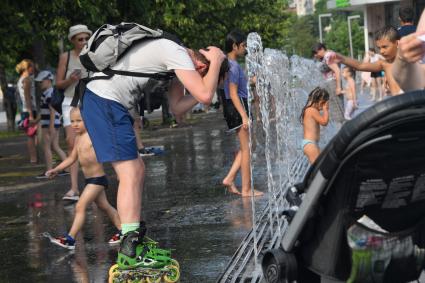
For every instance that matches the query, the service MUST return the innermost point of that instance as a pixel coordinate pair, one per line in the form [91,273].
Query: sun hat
[74,30]
[44,75]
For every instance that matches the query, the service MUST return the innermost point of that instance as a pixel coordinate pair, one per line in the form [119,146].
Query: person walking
[26,89]
[69,72]
[236,113]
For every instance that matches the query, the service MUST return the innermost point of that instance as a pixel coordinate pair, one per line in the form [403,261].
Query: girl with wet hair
[312,120]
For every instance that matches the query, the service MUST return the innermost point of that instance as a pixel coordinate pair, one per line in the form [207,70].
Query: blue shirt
[237,76]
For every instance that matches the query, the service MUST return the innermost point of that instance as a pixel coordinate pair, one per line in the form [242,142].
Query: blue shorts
[110,128]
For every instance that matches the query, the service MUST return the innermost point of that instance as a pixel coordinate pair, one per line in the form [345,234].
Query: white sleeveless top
[74,64]
[20,86]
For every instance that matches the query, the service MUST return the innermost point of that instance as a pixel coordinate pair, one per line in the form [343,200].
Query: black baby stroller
[374,170]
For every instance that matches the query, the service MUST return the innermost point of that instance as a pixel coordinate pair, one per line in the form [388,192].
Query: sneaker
[116,238]
[42,176]
[146,152]
[66,242]
[63,173]
[72,197]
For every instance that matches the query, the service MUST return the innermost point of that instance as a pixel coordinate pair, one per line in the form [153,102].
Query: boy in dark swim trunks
[95,179]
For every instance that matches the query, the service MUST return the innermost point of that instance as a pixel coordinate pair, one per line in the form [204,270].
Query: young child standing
[312,120]
[350,92]
[96,183]
[50,122]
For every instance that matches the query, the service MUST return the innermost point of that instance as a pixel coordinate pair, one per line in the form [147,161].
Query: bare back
[311,126]
[87,157]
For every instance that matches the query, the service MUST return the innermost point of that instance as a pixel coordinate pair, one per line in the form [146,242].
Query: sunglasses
[81,39]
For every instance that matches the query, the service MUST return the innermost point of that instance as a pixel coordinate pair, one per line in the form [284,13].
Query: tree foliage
[338,39]
[35,28]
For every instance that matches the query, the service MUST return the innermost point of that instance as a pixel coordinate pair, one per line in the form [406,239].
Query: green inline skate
[141,261]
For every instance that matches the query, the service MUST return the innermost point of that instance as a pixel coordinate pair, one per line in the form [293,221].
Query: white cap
[44,75]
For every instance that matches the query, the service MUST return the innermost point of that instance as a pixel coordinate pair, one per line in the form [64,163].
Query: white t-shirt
[20,86]
[151,56]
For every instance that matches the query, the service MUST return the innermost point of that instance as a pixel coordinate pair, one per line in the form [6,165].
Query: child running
[312,120]
[96,183]
[350,92]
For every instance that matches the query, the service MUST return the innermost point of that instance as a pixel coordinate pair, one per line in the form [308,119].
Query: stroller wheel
[279,266]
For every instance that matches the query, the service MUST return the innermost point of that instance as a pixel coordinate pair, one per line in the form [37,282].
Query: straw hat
[74,30]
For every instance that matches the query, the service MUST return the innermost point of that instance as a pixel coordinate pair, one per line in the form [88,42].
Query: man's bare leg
[131,174]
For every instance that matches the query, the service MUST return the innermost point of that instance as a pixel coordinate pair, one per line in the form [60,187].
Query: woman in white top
[69,72]
[26,90]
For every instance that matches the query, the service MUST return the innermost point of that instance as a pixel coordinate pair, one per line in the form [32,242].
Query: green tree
[337,38]
[35,28]
[299,37]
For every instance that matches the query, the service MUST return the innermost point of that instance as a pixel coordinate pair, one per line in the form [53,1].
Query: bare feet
[231,188]
[254,193]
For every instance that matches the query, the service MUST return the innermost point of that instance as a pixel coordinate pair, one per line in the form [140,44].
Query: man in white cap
[69,72]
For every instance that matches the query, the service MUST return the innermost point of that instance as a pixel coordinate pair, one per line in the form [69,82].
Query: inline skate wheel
[114,277]
[153,279]
[173,274]
[175,263]
[113,269]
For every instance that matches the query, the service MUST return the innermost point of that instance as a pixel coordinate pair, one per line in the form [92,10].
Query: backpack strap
[67,61]
[156,76]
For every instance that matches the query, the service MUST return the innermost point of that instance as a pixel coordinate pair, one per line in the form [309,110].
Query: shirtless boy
[96,183]
[312,120]
[387,43]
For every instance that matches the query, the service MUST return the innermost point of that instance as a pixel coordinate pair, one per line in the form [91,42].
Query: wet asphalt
[184,205]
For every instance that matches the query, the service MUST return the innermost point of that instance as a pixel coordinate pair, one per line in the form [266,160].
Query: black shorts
[100,181]
[376,75]
[231,114]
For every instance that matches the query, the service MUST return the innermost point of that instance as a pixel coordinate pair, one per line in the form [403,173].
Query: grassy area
[10,134]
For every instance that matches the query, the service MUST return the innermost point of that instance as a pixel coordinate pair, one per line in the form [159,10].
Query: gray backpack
[111,42]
